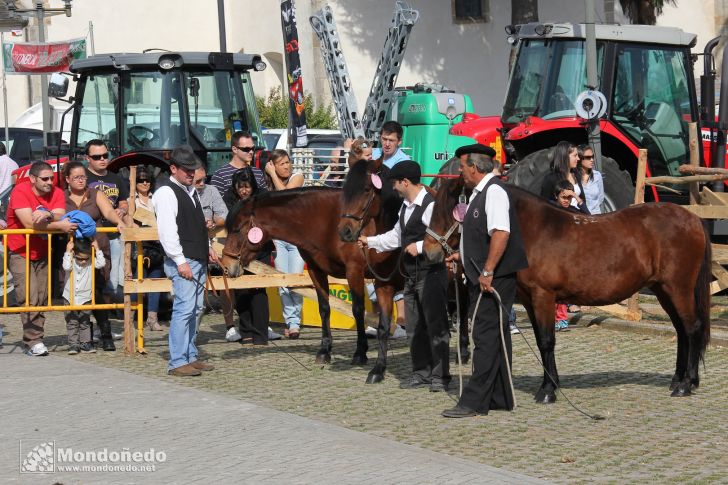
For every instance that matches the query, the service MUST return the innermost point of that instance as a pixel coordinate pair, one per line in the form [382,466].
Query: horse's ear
[375,165]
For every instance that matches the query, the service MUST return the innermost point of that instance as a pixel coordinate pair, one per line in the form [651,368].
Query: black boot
[107,340]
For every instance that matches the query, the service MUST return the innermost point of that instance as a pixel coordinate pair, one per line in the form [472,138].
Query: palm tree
[644,11]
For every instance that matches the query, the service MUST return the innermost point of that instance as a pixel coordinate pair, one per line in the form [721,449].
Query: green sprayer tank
[427,114]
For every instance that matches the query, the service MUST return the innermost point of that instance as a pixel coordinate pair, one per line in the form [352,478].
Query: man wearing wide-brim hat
[183,234]
[491,252]
[425,288]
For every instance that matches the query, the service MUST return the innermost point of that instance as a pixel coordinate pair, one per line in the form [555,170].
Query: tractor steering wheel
[140,136]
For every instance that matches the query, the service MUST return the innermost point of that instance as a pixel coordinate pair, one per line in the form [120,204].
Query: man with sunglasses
[117,190]
[34,204]
[243,149]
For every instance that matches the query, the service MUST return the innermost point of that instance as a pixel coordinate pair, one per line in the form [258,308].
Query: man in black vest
[425,289]
[183,234]
[491,251]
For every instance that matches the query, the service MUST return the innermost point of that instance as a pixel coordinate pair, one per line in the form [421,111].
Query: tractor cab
[145,105]
[645,73]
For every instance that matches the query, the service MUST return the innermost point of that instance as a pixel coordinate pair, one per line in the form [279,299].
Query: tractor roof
[620,33]
[131,61]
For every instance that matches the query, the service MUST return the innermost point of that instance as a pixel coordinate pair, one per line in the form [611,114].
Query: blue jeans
[289,260]
[152,298]
[116,275]
[187,307]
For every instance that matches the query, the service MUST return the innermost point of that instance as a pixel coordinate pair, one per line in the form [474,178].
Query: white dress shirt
[165,208]
[497,206]
[393,239]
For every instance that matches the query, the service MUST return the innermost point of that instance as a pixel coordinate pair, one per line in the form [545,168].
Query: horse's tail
[702,292]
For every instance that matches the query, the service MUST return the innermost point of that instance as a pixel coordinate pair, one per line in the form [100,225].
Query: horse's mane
[355,179]
[270,198]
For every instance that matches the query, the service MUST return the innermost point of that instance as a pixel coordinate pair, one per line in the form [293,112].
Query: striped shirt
[222,179]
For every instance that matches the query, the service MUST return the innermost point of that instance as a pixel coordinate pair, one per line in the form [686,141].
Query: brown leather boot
[199,365]
[184,371]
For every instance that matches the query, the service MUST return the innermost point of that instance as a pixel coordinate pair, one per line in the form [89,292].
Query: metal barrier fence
[321,166]
[27,308]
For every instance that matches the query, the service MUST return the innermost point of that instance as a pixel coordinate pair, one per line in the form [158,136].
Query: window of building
[470,11]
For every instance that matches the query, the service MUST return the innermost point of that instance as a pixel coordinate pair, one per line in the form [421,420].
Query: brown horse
[307,218]
[659,246]
[362,202]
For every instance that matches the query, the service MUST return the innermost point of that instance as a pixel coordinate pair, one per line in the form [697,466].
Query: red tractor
[646,75]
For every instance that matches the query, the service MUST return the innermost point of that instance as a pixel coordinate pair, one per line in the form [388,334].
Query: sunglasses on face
[245,149]
[199,182]
[143,181]
[45,179]
[588,157]
[100,156]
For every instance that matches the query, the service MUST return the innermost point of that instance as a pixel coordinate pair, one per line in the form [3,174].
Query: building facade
[468,57]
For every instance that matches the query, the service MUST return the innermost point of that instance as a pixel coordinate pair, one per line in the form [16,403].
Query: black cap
[184,157]
[476,148]
[406,169]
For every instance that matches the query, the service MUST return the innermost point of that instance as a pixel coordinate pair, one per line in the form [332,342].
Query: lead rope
[502,309]
[471,325]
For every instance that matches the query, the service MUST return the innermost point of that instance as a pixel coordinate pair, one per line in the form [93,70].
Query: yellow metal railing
[27,308]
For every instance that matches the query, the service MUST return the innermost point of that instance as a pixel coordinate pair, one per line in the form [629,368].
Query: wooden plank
[708,211]
[686,169]
[622,312]
[275,280]
[708,197]
[140,234]
[639,192]
[720,273]
[720,253]
[694,145]
[129,344]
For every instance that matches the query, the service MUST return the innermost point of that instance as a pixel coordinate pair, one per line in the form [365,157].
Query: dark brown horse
[659,246]
[363,202]
[307,218]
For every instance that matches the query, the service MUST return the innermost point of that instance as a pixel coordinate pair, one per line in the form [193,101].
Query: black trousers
[425,310]
[252,308]
[489,388]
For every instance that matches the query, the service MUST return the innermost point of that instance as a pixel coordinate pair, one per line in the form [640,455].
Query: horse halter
[442,240]
[238,255]
[360,219]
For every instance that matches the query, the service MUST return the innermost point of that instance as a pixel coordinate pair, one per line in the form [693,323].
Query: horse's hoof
[544,397]
[323,358]
[359,360]
[674,384]
[375,378]
[681,391]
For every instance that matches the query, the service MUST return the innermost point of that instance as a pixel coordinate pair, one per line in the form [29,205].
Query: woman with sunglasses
[287,260]
[251,304]
[79,196]
[591,180]
[152,250]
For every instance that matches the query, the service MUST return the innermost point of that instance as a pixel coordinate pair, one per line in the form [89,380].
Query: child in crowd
[77,265]
[563,195]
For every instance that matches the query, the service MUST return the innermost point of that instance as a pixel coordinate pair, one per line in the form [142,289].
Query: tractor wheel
[530,172]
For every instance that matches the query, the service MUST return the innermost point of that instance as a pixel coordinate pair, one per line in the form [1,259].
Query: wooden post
[694,161]
[639,189]
[129,346]
[633,307]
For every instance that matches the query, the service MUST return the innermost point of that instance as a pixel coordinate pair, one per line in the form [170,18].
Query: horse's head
[442,234]
[241,244]
[360,198]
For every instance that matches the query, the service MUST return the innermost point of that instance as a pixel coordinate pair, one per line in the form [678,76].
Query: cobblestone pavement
[196,436]
[647,436]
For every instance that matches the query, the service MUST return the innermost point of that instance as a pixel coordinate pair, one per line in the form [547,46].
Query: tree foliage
[644,12]
[273,111]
